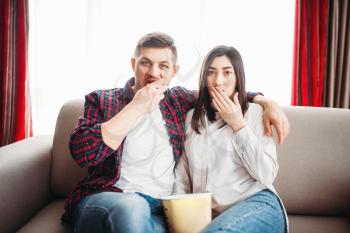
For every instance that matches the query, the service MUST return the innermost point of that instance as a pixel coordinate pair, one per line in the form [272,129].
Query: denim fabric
[120,212]
[259,213]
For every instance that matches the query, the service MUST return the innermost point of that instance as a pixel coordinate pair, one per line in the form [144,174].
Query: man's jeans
[259,213]
[120,212]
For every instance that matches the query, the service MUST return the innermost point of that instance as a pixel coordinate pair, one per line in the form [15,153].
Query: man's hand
[230,111]
[147,98]
[274,116]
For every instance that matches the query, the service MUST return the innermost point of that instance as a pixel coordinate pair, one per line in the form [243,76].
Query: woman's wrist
[238,125]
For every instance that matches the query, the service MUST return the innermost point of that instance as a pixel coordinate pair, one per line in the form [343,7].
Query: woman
[226,152]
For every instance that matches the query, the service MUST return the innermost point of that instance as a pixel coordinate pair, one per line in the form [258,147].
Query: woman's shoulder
[255,108]
[254,112]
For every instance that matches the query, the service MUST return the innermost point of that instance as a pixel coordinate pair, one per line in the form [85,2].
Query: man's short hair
[156,40]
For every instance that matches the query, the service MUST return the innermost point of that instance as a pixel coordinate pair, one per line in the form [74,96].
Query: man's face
[153,64]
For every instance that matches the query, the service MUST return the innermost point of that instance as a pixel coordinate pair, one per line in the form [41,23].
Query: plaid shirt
[104,164]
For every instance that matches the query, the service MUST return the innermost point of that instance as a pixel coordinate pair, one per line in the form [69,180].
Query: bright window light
[79,46]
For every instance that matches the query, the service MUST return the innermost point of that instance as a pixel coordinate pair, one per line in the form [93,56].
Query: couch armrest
[24,180]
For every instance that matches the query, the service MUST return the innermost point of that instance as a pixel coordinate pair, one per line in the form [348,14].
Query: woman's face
[221,75]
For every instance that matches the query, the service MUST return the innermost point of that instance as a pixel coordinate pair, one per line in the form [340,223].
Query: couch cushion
[65,173]
[318,224]
[314,173]
[48,220]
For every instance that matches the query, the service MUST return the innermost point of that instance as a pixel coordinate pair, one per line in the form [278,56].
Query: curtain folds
[15,110]
[321,54]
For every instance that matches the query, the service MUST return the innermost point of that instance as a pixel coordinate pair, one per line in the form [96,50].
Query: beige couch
[314,178]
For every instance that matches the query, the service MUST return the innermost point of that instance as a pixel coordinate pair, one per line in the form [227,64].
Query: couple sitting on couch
[132,138]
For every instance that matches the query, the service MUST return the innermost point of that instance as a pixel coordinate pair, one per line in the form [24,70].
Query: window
[78,46]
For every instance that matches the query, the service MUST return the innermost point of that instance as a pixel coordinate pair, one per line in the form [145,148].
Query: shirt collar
[128,91]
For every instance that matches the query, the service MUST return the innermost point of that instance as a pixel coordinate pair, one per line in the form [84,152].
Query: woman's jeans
[259,213]
[136,212]
[120,212]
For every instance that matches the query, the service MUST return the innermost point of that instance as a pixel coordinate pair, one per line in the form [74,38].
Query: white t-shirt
[147,159]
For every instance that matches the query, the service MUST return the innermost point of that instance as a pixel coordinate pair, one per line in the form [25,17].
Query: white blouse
[232,166]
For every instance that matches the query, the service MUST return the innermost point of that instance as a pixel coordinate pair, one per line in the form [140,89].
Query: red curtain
[321,65]
[310,52]
[15,111]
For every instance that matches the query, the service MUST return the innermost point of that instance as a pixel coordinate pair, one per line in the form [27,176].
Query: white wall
[77,46]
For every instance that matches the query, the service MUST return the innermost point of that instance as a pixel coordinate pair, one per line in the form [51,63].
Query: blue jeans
[120,212]
[259,213]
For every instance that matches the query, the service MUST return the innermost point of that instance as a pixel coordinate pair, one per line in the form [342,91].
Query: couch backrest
[314,175]
[65,173]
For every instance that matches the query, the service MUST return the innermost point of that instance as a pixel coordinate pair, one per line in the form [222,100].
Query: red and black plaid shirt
[104,164]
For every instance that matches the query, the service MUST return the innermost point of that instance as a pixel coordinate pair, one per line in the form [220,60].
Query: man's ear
[133,63]
[176,69]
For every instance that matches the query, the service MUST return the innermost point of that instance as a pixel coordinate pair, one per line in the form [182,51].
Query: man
[130,139]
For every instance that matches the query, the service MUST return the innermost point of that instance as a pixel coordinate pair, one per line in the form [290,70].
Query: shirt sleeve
[86,144]
[187,98]
[251,95]
[256,151]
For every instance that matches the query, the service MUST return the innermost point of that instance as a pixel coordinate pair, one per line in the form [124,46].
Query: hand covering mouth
[151,80]
[218,89]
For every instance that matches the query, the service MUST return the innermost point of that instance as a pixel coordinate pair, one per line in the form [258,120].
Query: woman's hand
[230,111]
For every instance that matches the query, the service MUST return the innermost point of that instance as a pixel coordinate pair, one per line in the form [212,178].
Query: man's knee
[92,219]
[131,206]
[107,210]
[119,205]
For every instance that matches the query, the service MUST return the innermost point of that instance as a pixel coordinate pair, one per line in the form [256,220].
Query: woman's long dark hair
[203,103]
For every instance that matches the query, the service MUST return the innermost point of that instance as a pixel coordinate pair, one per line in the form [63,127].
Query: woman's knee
[260,213]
